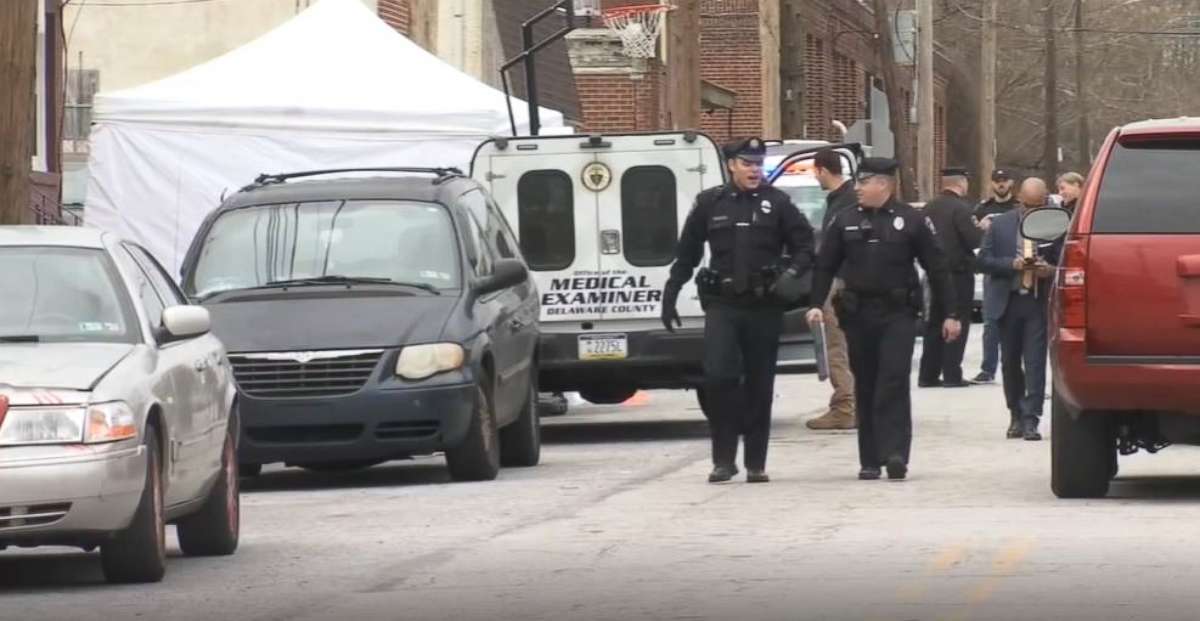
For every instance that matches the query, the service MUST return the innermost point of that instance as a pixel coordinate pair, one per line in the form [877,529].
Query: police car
[598,218]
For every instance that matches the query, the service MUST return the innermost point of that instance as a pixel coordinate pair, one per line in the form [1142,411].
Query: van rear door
[538,187]
[1143,270]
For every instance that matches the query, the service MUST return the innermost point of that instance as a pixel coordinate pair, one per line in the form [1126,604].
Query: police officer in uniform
[872,247]
[950,213]
[748,226]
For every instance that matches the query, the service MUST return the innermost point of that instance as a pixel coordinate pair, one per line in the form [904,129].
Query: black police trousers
[880,339]
[741,343]
[941,360]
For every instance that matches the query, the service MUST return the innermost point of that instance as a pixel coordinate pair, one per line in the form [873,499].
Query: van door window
[546,219]
[649,218]
[1150,187]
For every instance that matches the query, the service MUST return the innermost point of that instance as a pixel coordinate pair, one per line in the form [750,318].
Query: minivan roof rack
[440,173]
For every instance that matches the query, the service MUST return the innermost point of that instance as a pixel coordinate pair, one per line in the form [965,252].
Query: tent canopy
[334,87]
[335,67]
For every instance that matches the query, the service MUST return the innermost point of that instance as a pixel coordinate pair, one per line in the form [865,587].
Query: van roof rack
[441,173]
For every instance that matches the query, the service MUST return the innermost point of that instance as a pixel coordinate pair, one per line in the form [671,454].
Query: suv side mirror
[183,322]
[1046,224]
[505,273]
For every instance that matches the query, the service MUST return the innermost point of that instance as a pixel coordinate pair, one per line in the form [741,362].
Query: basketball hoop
[638,27]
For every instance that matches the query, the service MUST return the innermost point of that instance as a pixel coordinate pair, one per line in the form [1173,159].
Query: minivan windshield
[385,241]
[56,294]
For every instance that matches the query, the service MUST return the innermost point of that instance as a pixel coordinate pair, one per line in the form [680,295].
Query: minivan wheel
[609,395]
[213,531]
[521,442]
[1083,452]
[139,553]
[478,457]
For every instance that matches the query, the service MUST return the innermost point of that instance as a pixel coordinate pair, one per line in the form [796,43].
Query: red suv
[1125,316]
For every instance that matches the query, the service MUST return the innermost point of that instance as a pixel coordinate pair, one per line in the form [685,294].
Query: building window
[649,220]
[546,219]
[82,85]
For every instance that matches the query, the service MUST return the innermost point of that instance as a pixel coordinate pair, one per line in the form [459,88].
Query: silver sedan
[117,406]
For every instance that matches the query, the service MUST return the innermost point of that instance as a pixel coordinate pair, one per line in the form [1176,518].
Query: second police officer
[872,247]
[748,227]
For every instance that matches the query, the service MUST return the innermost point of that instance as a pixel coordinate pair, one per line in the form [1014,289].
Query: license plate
[603,347]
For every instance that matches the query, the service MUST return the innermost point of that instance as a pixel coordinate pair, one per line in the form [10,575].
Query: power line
[145,3]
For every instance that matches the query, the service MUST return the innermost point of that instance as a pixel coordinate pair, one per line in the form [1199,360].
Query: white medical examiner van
[598,218]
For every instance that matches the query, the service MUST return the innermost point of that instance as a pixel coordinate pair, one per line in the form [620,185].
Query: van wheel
[553,405]
[521,442]
[478,457]
[608,396]
[1083,453]
[139,553]
[213,531]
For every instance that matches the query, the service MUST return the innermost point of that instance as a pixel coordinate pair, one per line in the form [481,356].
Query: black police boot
[923,383]
[869,474]
[757,476]
[1029,429]
[721,474]
[1015,431]
[896,468]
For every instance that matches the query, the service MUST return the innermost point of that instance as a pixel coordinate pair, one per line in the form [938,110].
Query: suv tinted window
[649,219]
[546,219]
[1150,187]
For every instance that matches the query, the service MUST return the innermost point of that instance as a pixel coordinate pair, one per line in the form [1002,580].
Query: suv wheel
[139,553]
[521,442]
[478,457]
[213,531]
[608,396]
[1083,452]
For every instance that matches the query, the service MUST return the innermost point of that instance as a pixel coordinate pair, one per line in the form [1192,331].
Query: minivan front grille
[406,430]
[304,374]
[35,515]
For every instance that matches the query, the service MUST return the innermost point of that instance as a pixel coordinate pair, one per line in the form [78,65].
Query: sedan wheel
[213,531]
[139,553]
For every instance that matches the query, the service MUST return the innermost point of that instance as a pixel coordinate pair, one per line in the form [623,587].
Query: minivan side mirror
[1046,224]
[506,273]
[183,322]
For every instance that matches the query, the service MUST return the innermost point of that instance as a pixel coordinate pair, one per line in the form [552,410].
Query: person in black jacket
[841,414]
[873,248]
[747,225]
[941,363]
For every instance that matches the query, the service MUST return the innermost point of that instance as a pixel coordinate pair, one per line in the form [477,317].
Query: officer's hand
[671,316]
[985,223]
[814,316]
[1044,270]
[951,330]
[1019,264]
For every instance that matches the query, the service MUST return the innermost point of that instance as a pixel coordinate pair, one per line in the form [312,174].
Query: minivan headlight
[101,422]
[421,361]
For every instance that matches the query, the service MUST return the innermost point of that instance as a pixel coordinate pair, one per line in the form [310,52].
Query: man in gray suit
[1018,291]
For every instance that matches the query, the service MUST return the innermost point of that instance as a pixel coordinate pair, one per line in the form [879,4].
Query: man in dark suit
[1018,291]
[951,215]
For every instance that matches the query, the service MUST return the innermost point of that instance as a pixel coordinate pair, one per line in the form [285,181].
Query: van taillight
[1072,284]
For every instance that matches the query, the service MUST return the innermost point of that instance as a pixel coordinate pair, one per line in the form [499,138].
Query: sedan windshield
[356,242]
[56,294]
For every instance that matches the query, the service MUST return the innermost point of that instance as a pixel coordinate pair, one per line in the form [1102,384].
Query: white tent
[334,87]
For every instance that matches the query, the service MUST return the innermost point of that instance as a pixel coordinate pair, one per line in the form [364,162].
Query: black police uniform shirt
[874,250]
[952,219]
[993,207]
[746,231]
[838,200]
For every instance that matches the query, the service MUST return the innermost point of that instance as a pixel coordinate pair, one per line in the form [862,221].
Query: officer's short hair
[829,160]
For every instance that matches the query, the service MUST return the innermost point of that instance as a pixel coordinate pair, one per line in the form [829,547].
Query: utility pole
[1085,135]
[925,128]
[987,98]
[18,75]
[1050,152]
[683,59]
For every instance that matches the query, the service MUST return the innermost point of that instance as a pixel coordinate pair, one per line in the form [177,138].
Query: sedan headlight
[101,422]
[421,361]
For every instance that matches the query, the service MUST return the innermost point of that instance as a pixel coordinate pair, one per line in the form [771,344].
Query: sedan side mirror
[505,273]
[1046,224]
[183,322]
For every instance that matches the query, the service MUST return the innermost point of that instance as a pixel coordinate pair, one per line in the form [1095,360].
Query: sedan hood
[75,366]
[299,323]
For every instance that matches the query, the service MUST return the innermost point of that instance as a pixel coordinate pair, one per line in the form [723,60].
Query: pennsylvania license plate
[603,347]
